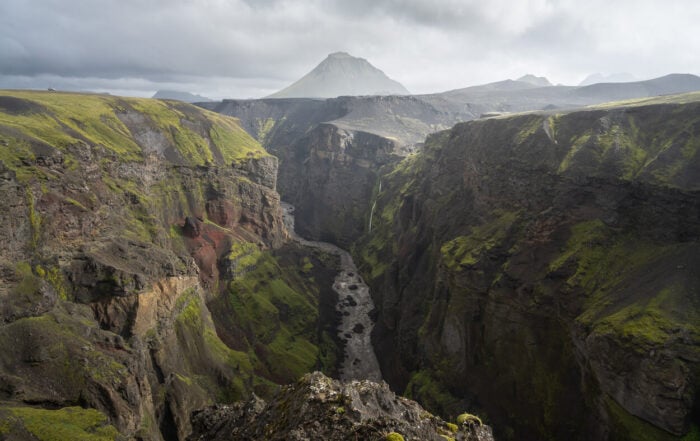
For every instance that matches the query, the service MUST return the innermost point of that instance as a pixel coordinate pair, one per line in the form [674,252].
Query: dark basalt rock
[319,408]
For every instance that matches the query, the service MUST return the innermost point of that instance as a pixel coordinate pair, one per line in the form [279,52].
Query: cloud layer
[249,48]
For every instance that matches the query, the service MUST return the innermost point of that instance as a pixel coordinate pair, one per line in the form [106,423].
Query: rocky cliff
[542,267]
[332,178]
[318,408]
[143,269]
[331,151]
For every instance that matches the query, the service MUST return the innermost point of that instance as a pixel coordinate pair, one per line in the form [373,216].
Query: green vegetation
[234,143]
[393,436]
[66,424]
[529,126]
[379,246]
[467,250]
[277,309]
[196,333]
[61,120]
[54,276]
[656,144]
[603,261]
[468,418]
[263,128]
[426,388]
[628,427]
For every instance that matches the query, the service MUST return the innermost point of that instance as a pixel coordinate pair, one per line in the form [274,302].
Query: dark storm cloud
[252,47]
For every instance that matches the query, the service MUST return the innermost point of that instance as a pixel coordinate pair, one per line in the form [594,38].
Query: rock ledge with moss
[317,407]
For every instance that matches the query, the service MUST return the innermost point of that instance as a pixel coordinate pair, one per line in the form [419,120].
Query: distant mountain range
[407,119]
[609,78]
[342,74]
[180,96]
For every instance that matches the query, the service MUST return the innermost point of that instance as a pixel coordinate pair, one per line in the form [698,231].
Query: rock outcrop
[319,408]
[541,266]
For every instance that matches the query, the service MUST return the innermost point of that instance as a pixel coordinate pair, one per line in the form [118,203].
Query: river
[354,305]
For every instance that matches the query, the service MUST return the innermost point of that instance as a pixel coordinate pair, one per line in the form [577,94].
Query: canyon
[531,266]
[536,268]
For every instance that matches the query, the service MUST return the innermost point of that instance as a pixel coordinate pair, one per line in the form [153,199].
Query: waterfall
[374,205]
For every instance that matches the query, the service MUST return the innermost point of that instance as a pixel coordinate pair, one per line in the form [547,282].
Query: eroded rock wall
[119,216]
[541,267]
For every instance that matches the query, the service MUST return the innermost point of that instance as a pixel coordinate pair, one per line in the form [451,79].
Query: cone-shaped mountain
[342,74]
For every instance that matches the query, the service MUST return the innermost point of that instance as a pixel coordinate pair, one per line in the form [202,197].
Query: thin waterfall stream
[354,305]
[374,205]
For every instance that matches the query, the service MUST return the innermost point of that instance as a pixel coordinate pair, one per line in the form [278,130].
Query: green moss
[263,128]
[76,203]
[233,142]
[529,126]
[243,256]
[191,313]
[196,332]
[452,427]
[66,424]
[290,355]
[54,276]
[29,284]
[184,379]
[576,145]
[276,308]
[629,427]
[430,392]
[468,418]
[89,118]
[394,436]
[61,120]
[306,266]
[650,320]
[603,262]
[467,250]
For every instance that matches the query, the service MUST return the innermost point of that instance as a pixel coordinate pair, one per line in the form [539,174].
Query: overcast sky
[251,48]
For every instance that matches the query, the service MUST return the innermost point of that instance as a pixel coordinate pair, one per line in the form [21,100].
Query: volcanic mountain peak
[342,74]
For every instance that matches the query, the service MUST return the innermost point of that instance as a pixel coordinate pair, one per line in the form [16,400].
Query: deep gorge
[536,269]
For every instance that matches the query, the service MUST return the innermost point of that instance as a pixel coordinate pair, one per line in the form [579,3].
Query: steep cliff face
[125,222]
[542,267]
[331,151]
[339,172]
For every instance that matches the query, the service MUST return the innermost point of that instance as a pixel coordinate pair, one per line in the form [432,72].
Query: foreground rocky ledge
[318,408]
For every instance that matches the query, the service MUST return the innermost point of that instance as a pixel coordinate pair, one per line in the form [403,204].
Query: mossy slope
[121,214]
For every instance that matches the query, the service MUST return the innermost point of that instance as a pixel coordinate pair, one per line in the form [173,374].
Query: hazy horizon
[249,49]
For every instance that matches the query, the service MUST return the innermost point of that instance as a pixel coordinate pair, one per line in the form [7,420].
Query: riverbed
[354,305]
